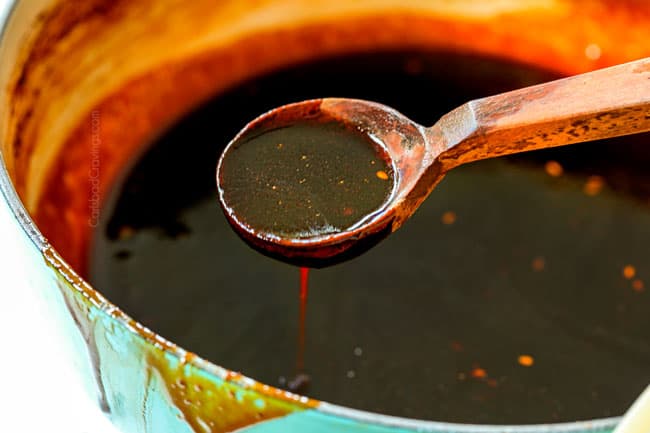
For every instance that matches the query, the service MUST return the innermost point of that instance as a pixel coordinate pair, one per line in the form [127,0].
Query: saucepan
[88,85]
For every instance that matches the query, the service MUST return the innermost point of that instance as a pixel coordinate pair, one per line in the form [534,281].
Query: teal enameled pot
[85,84]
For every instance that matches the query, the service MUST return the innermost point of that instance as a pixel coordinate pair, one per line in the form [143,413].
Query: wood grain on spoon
[601,104]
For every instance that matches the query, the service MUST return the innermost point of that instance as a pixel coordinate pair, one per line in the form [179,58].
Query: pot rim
[10,196]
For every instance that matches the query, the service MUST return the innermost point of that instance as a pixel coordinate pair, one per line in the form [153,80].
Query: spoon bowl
[394,139]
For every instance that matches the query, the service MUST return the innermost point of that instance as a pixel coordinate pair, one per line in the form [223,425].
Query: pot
[87,86]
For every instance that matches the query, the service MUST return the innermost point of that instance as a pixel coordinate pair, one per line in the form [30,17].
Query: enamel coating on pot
[58,333]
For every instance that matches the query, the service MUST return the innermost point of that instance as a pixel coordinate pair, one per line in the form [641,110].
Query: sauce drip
[304,288]
[300,382]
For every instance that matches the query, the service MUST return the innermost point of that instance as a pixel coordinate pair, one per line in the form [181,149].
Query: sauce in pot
[507,298]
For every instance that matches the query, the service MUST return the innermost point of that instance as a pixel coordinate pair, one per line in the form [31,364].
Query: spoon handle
[600,104]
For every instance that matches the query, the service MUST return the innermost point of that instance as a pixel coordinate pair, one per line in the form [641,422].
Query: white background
[40,390]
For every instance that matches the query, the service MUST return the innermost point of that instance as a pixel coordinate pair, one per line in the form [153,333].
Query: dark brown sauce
[505,299]
[304,179]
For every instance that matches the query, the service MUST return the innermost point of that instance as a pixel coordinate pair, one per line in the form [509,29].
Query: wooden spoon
[601,104]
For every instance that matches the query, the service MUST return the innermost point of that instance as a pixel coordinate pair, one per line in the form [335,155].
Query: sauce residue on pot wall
[208,402]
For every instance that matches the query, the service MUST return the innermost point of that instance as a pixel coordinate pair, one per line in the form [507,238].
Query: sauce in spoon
[301,180]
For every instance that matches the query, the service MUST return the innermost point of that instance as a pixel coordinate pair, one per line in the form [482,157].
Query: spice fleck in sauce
[526,360]
[305,179]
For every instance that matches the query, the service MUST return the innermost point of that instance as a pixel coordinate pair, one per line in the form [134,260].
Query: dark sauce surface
[502,266]
[305,179]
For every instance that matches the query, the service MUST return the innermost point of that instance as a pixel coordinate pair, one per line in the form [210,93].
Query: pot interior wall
[87,70]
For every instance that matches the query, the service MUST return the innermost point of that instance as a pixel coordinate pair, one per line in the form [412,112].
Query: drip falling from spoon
[300,382]
[321,181]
